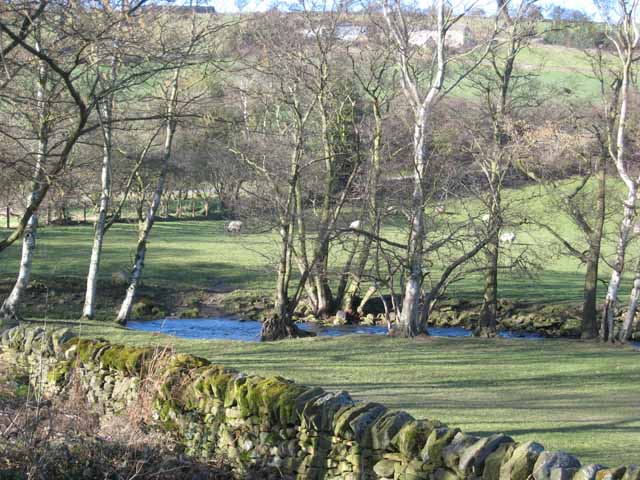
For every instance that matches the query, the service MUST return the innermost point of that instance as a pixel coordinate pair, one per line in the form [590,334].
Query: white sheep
[234,226]
[507,237]
[355,225]
[485,218]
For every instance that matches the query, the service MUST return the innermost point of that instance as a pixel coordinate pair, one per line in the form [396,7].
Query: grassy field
[201,254]
[580,397]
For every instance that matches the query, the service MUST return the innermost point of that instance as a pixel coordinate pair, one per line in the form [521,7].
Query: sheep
[440,209]
[485,218]
[355,225]
[507,237]
[234,226]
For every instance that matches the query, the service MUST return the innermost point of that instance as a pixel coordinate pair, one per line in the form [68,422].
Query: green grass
[579,397]
[183,254]
[200,254]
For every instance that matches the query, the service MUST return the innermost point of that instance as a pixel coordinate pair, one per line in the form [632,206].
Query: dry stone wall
[303,432]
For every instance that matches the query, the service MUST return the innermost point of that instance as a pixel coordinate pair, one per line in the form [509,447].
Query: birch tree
[105,114]
[44,94]
[186,55]
[624,35]
[422,86]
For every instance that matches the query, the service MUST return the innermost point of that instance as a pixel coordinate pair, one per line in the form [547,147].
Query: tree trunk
[627,327]
[487,326]
[141,248]
[302,256]
[88,310]
[372,210]
[320,278]
[9,311]
[10,307]
[324,296]
[281,325]
[8,217]
[589,327]
[410,318]
[608,312]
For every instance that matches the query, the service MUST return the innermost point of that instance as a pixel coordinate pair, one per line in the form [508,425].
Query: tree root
[279,329]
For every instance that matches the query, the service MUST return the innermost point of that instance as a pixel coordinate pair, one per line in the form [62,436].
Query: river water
[249,330]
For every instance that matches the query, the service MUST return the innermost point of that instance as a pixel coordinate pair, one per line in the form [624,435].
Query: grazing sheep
[507,237]
[485,218]
[234,227]
[355,225]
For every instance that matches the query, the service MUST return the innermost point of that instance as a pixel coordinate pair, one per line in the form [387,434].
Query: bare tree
[624,35]
[422,87]
[505,94]
[186,55]
[43,107]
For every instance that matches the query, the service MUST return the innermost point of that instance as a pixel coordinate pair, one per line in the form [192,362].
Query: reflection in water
[249,330]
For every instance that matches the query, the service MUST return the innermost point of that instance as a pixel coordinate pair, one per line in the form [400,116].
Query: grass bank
[576,396]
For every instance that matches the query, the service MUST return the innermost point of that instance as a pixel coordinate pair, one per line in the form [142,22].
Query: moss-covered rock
[355,422]
[522,461]
[124,358]
[387,427]
[58,373]
[438,439]
[473,458]
[611,473]
[588,472]
[632,473]
[412,437]
[495,460]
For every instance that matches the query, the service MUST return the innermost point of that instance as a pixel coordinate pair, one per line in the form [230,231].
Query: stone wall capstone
[255,422]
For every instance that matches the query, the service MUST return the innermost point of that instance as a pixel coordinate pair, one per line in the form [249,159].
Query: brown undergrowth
[64,438]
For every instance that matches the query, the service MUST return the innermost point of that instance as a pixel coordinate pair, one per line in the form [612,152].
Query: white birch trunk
[627,328]
[409,323]
[141,249]
[99,230]
[410,318]
[106,115]
[608,312]
[10,307]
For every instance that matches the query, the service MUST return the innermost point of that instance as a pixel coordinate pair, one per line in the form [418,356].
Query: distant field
[558,73]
